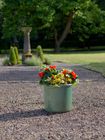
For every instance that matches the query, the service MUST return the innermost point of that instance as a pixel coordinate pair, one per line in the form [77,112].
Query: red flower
[52,67]
[65,71]
[41,74]
[46,69]
[74,74]
[52,76]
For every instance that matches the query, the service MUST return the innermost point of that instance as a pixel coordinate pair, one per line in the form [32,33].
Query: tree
[55,15]
[19,13]
[1,17]
[90,21]
[101,3]
[87,15]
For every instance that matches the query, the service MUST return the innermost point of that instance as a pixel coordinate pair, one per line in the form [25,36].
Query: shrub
[19,61]
[6,61]
[32,61]
[39,52]
[46,61]
[12,57]
[17,54]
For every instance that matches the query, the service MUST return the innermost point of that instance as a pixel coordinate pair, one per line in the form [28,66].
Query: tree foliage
[1,17]
[58,17]
[25,13]
[101,3]
[89,20]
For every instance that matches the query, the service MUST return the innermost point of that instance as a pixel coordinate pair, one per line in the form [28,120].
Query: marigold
[47,69]
[52,67]
[65,71]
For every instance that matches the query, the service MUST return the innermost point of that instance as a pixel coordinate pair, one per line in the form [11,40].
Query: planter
[58,99]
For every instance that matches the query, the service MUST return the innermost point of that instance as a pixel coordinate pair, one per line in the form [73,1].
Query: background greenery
[56,24]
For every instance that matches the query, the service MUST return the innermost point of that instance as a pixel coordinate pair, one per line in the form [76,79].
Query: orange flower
[41,74]
[65,71]
[74,74]
[52,76]
[46,69]
[52,67]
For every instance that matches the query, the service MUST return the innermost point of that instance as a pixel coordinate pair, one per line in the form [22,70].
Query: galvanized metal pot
[58,99]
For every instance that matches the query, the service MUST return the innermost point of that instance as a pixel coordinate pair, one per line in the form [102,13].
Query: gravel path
[22,114]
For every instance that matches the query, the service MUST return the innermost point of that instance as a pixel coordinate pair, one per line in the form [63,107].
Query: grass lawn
[99,67]
[78,57]
[94,60]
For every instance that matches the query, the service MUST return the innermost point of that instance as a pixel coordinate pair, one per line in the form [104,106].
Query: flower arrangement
[51,76]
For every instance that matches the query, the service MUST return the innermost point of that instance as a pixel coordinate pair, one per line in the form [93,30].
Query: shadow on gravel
[31,74]
[16,75]
[24,114]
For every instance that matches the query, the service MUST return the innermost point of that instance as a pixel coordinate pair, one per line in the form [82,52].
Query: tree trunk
[57,45]
[59,41]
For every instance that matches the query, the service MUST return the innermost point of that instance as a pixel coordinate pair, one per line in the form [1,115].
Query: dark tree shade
[101,3]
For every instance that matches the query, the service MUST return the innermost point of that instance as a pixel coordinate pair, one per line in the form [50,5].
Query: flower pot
[58,99]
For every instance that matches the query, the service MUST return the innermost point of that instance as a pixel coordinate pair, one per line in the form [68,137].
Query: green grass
[99,67]
[78,57]
[94,60]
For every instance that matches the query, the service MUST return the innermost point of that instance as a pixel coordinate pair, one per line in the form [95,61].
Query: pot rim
[69,85]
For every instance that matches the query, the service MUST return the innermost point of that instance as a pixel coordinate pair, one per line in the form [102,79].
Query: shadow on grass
[78,52]
[25,114]
[97,67]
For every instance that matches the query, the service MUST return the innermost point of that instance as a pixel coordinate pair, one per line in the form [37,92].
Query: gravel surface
[22,114]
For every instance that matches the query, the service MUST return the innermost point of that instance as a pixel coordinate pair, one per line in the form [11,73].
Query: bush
[39,50]
[19,61]
[46,61]
[17,54]
[6,61]
[39,53]
[32,61]
[12,57]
